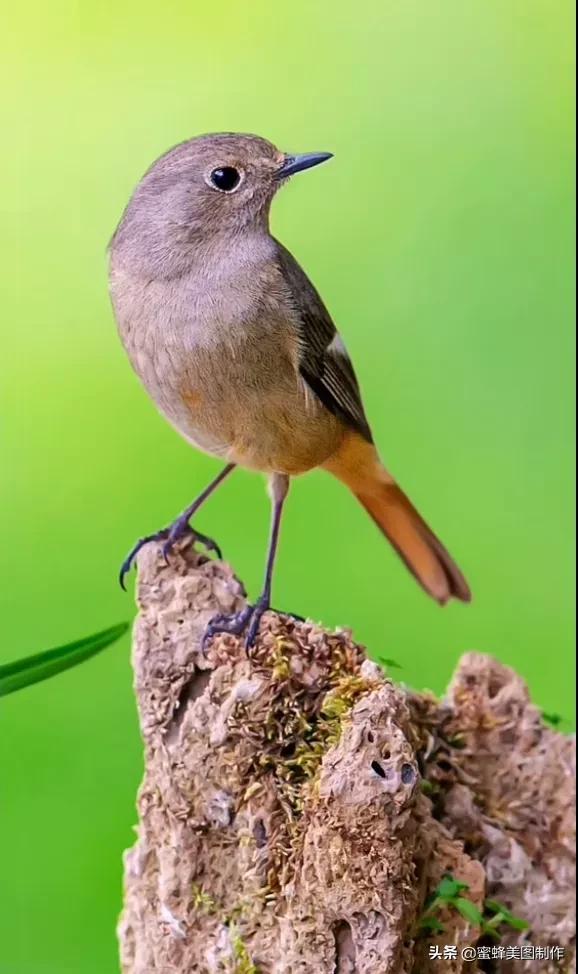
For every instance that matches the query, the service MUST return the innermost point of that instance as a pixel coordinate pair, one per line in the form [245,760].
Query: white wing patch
[337,346]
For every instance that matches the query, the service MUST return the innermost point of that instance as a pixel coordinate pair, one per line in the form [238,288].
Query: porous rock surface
[298,808]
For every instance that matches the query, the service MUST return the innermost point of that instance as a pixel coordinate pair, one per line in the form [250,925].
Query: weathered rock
[283,824]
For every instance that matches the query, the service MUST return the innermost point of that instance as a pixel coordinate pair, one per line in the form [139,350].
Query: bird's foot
[248,619]
[178,530]
[182,529]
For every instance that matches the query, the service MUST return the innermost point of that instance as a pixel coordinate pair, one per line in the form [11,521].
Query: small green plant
[553,719]
[243,961]
[496,914]
[388,664]
[33,669]
[448,895]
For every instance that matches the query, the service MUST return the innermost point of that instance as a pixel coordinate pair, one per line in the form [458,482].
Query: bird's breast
[221,363]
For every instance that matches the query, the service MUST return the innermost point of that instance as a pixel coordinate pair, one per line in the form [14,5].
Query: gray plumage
[236,347]
[218,318]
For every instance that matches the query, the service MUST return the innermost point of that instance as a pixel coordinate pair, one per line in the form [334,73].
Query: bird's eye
[226,178]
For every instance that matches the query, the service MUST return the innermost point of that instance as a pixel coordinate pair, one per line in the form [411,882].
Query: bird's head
[209,189]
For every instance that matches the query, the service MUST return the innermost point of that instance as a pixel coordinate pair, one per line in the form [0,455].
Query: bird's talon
[170,536]
[211,545]
[207,543]
[248,619]
[236,624]
[130,559]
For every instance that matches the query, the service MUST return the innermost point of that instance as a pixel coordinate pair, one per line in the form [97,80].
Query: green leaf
[390,663]
[553,719]
[469,911]
[492,906]
[493,922]
[32,669]
[503,915]
[431,924]
[449,888]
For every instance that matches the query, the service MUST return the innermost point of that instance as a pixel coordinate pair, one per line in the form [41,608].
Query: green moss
[301,722]
[243,960]
[344,695]
[299,737]
[280,661]
[203,901]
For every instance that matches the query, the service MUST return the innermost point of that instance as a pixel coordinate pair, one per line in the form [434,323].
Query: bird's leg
[179,528]
[279,491]
[251,615]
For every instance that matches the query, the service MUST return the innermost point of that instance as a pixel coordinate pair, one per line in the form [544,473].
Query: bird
[238,351]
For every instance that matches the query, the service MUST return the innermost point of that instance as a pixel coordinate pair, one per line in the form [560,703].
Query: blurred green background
[441,238]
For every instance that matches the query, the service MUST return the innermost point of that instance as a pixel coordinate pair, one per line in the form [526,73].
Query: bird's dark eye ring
[225,178]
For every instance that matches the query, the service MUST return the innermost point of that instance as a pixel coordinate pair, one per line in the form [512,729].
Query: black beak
[306,160]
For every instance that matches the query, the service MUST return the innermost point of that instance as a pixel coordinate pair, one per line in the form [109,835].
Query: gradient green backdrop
[441,237]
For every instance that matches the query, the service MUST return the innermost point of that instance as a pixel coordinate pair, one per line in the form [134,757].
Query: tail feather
[358,465]
[415,542]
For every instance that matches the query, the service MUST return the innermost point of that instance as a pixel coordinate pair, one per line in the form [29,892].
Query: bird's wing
[324,362]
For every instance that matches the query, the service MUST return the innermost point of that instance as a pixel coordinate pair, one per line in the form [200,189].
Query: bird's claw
[176,532]
[247,619]
[208,543]
[130,559]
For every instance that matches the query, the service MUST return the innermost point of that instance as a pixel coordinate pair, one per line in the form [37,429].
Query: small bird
[236,348]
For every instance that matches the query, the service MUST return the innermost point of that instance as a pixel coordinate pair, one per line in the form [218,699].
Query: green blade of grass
[32,669]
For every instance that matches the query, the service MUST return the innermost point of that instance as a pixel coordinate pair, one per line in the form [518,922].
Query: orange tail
[358,466]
